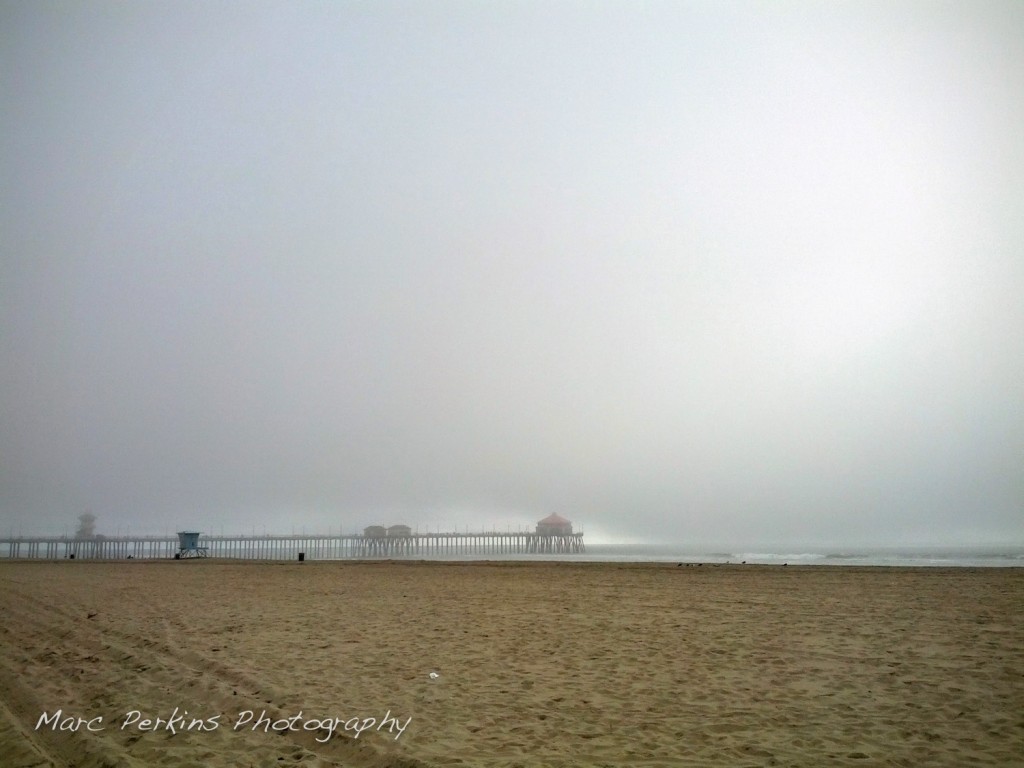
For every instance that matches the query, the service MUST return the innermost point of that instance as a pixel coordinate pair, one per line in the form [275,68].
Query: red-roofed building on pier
[554,525]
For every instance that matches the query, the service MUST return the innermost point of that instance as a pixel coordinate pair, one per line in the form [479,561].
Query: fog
[698,272]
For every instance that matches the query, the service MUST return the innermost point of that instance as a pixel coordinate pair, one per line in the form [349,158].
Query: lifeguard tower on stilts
[188,545]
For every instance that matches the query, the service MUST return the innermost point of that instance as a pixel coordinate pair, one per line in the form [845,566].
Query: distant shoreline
[525,562]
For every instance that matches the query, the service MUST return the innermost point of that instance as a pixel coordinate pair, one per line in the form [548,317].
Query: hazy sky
[685,271]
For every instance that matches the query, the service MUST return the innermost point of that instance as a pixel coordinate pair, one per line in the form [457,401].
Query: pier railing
[277,547]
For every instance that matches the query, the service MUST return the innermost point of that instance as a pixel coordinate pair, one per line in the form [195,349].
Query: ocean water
[965,557]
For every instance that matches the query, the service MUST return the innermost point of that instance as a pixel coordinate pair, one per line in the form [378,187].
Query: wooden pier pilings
[274,547]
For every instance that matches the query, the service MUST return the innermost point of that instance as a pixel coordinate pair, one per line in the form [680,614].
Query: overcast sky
[683,271]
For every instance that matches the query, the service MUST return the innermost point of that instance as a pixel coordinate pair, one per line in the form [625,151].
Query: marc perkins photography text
[246,720]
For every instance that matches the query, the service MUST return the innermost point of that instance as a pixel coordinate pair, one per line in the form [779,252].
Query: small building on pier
[554,525]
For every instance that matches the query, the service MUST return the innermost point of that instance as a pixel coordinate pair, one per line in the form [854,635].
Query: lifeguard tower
[188,545]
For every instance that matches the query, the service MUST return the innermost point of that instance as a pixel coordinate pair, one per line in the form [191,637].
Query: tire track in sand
[59,657]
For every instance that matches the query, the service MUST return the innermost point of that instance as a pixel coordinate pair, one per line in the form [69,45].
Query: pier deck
[277,547]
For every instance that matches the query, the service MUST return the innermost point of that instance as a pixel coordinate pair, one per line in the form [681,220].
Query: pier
[277,547]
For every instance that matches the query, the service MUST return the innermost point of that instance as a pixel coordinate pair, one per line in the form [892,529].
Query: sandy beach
[512,664]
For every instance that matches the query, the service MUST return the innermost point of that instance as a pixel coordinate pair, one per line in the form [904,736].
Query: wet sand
[534,664]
